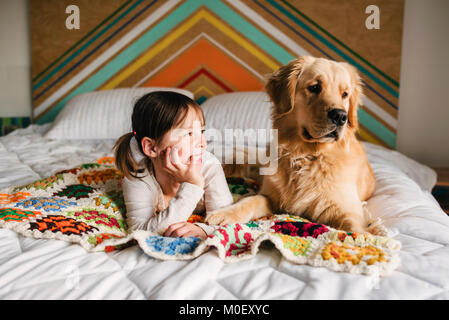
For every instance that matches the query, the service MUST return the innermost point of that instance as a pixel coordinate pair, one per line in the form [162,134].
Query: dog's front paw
[224,216]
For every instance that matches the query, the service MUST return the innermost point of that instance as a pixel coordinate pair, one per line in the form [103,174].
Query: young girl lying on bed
[168,173]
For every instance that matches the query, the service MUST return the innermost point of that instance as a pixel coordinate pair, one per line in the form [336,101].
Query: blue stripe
[249,31]
[377,128]
[379,95]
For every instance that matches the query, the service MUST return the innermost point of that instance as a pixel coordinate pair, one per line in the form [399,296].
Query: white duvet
[53,269]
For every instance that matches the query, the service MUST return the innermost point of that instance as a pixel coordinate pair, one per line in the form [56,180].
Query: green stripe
[82,39]
[77,52]
[342,44]
[8,124]
[335,49]
[249,31]
[6,121]
[376,127]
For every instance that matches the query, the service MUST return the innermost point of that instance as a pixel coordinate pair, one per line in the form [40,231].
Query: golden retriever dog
[323,172]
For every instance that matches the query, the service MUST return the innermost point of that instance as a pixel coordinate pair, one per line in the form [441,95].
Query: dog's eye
[344,95]
[316,88]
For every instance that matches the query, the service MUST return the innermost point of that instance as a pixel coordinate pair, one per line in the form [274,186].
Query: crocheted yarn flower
[99,238]
[43,184]
[45,203]
[112,200]
[234,239]
[106,160]
[11,214]
[195,218]
[98,218]
[299,228]
[172,246]
[76,191]
[344,252]
[297,245]
[6,198]
[97,176]
[66,226]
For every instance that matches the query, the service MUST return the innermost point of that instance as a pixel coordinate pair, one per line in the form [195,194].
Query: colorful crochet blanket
[85,205]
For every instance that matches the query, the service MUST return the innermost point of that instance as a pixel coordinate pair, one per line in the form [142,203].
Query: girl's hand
[184,229]
[190,172]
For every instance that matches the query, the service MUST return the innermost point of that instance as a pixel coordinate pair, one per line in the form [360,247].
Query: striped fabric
[8,125]
[211,47]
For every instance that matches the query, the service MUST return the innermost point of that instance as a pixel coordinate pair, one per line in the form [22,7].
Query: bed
[53,269]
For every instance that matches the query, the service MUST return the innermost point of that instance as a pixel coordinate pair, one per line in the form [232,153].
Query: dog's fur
[323,173]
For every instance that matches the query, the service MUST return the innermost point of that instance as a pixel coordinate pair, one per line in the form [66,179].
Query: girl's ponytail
[124,161]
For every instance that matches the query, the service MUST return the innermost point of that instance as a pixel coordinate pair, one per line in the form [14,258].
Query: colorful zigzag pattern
[211,47]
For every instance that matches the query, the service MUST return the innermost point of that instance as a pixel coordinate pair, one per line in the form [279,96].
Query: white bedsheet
[52,269]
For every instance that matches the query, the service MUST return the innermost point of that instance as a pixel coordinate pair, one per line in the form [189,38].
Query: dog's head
[316,98]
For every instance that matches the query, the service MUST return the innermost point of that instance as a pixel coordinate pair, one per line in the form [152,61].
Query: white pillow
[100,114]
[239,110]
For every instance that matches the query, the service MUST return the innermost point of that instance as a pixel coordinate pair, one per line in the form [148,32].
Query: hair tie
[134,133]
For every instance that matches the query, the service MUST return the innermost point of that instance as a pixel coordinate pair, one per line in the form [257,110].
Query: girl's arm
[141,199]
[216,191]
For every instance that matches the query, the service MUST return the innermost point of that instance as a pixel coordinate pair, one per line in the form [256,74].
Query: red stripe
[207,74]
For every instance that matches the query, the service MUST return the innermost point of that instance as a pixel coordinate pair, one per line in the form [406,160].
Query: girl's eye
[190,133]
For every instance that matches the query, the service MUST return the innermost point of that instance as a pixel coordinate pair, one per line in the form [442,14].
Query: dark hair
[154,114]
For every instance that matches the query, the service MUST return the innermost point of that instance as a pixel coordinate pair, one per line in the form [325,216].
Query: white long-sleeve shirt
[144,198]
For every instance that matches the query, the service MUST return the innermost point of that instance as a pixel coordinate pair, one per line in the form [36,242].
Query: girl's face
[188,138]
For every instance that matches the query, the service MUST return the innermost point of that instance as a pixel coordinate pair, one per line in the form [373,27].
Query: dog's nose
[338,116]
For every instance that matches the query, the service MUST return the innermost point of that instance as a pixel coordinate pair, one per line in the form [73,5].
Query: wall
[15,64]
[424,96]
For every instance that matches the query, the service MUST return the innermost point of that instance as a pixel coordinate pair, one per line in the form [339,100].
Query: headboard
[211,47]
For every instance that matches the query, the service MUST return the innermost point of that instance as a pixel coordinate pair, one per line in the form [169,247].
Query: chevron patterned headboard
[211,47]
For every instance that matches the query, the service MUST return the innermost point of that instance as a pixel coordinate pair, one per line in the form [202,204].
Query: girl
[168,173]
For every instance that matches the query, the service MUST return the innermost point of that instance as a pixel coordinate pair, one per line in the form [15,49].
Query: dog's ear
[355,97]
[281,86]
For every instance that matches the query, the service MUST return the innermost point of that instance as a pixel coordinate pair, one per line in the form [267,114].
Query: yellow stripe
[368,137]
[205,89]
[240,40]
[201,14]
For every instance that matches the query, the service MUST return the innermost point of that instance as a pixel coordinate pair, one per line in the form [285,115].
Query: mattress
[53,269]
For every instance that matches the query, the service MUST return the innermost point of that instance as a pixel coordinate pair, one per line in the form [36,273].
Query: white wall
[423,130]
[15,62]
